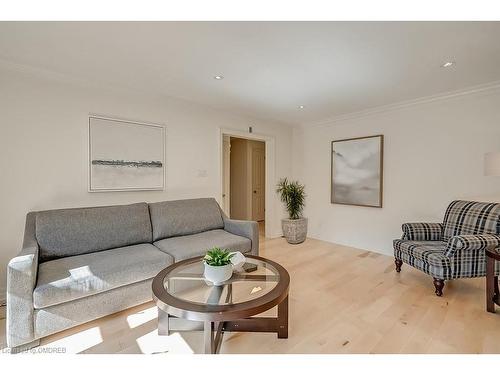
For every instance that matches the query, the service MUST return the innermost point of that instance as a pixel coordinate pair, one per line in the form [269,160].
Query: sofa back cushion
[467,217]
[183,217]
[75,231]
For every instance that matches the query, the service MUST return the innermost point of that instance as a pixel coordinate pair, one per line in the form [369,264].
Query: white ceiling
[269,68]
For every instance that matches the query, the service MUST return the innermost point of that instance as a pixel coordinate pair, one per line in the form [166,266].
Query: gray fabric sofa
[79,264]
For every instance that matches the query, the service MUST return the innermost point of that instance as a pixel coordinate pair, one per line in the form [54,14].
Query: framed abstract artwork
[357,171]
[125,155]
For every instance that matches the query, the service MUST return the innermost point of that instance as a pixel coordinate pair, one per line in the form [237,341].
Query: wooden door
[258,183]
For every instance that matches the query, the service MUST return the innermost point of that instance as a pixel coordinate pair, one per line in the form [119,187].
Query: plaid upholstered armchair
[455,248]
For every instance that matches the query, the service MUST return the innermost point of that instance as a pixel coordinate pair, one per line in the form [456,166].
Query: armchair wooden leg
[398,263]
[439,285]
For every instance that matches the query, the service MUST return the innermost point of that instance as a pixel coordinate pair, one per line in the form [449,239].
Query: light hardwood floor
[342,300]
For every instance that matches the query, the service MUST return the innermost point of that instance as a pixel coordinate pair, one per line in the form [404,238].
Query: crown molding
[77,81]
[65,78]
[484,88]
[70,79]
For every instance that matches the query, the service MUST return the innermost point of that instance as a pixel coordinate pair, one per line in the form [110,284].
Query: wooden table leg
[208,333]
[218,337]
[491,280]
[283,319]
[163,323]
[496,297]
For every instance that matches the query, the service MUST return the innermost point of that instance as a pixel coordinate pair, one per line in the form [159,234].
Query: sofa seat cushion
[193,245]
[427,256]
[67,279]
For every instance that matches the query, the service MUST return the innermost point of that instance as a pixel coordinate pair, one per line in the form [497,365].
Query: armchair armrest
[248,229]
[21,280]
[422,231]
[468,242]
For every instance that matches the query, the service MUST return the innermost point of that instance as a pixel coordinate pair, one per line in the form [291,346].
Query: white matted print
[125,155]
[356,177]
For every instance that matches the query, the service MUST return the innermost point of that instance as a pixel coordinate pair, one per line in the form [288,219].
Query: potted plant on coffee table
[293,195]
[218,267]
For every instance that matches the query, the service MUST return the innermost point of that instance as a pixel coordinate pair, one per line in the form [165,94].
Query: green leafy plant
[293,195]
[218,257]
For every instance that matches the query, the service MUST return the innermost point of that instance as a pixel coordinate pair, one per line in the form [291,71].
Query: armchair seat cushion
[427,256]
[67,279]
[193,245]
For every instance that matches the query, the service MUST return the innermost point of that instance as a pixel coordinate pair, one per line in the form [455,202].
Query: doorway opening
[244,179]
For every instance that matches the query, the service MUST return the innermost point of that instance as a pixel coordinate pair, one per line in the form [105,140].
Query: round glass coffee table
[186,301]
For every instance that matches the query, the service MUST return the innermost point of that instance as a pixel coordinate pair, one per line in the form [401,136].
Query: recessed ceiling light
[301,107]
[448,64]
[218,78]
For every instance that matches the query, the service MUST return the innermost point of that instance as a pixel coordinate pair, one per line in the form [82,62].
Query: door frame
[226,201]
[270,154]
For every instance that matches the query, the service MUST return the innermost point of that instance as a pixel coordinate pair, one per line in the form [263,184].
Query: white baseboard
[276,235]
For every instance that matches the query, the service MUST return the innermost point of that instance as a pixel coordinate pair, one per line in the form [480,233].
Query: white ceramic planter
[218,274]
[294,231]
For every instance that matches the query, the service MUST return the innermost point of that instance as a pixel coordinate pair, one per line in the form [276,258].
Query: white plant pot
[218,274]
[294,231]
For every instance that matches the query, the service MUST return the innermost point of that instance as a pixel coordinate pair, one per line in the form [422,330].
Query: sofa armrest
[21,280]
[422,231]
[470,242]
[248,229]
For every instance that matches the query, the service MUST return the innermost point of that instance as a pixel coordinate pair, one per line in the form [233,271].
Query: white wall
[433,154]
[43,148]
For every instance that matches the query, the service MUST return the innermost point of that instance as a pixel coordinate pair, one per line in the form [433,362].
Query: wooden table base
[492,291]
[213,331]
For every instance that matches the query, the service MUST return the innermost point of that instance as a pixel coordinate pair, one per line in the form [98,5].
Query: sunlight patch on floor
[78,342]
[151,343]
[141,317]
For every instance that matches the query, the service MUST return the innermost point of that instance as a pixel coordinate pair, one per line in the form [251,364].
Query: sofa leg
[398,263]
[439,285]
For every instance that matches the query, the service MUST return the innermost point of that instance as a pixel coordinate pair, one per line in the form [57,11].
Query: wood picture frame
[356,171]
[125,155]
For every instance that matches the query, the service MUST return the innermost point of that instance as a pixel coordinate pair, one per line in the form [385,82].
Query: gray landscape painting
[125,155]
[356,171]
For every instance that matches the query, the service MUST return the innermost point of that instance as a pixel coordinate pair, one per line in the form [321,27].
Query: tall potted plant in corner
[293,195]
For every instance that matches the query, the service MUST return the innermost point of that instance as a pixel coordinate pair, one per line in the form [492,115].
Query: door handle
[255,191]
